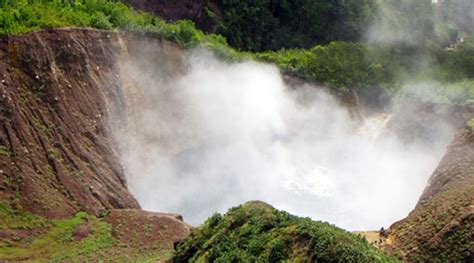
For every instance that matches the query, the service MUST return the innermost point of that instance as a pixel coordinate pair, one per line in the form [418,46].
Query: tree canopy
[258,25]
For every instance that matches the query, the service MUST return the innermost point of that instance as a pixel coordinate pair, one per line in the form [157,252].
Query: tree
[259,25]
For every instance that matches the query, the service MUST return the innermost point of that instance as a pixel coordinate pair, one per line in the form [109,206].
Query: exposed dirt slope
[147,230]
[59,88]
[57,155]
[441,226]
[59,92]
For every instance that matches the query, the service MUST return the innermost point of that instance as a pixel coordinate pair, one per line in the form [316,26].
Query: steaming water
[223,134]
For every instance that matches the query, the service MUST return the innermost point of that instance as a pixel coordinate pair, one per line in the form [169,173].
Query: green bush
[256,232]
[22,16]
[343,65]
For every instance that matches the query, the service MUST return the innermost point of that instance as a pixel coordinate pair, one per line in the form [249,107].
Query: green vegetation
[22,16]
[11,219]
[409,45]
[456,65]
[341,65]
[272,25]
[441,230]
[5,151]
[50,239]
[25,236]
[403,22]
[470,123]
[256,232]
[457,93]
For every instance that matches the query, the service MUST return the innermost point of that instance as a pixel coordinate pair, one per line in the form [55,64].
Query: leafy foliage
[458,64]
[256,232]
[272,25]
[343,65]
[22,16]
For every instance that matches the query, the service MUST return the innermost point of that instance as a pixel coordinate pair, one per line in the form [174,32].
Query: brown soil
[147,230]
[56,153]
[80,232]
[374,238]
[59,90]
[442,224]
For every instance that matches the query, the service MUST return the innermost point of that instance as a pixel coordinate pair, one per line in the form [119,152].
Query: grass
[5,151]
[52,240]
[12,219]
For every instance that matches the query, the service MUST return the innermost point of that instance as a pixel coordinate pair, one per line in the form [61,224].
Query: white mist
[223,134]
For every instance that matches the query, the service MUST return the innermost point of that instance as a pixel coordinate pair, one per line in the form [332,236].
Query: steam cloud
[409,22]
[222,134]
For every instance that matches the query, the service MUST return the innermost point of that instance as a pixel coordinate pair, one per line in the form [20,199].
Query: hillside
[67,97]
[60,90]
[257,232]
[441,226]
[59,87]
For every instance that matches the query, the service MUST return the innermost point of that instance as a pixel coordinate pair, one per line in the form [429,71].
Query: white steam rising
[223,134]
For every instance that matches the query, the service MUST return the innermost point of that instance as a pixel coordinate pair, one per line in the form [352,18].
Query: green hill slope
[257,232]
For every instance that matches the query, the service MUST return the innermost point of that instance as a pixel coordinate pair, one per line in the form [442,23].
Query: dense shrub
[21,16]
[343,65]
[256,232]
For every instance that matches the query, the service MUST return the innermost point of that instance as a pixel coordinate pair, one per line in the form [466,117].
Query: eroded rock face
[57,155]
[58,91]
[147,230]
[441,226]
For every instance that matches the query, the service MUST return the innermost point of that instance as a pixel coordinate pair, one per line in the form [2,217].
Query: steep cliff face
[59,90]
[442,224]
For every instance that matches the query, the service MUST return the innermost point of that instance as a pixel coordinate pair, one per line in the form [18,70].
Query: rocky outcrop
[59,89]
[441,226]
